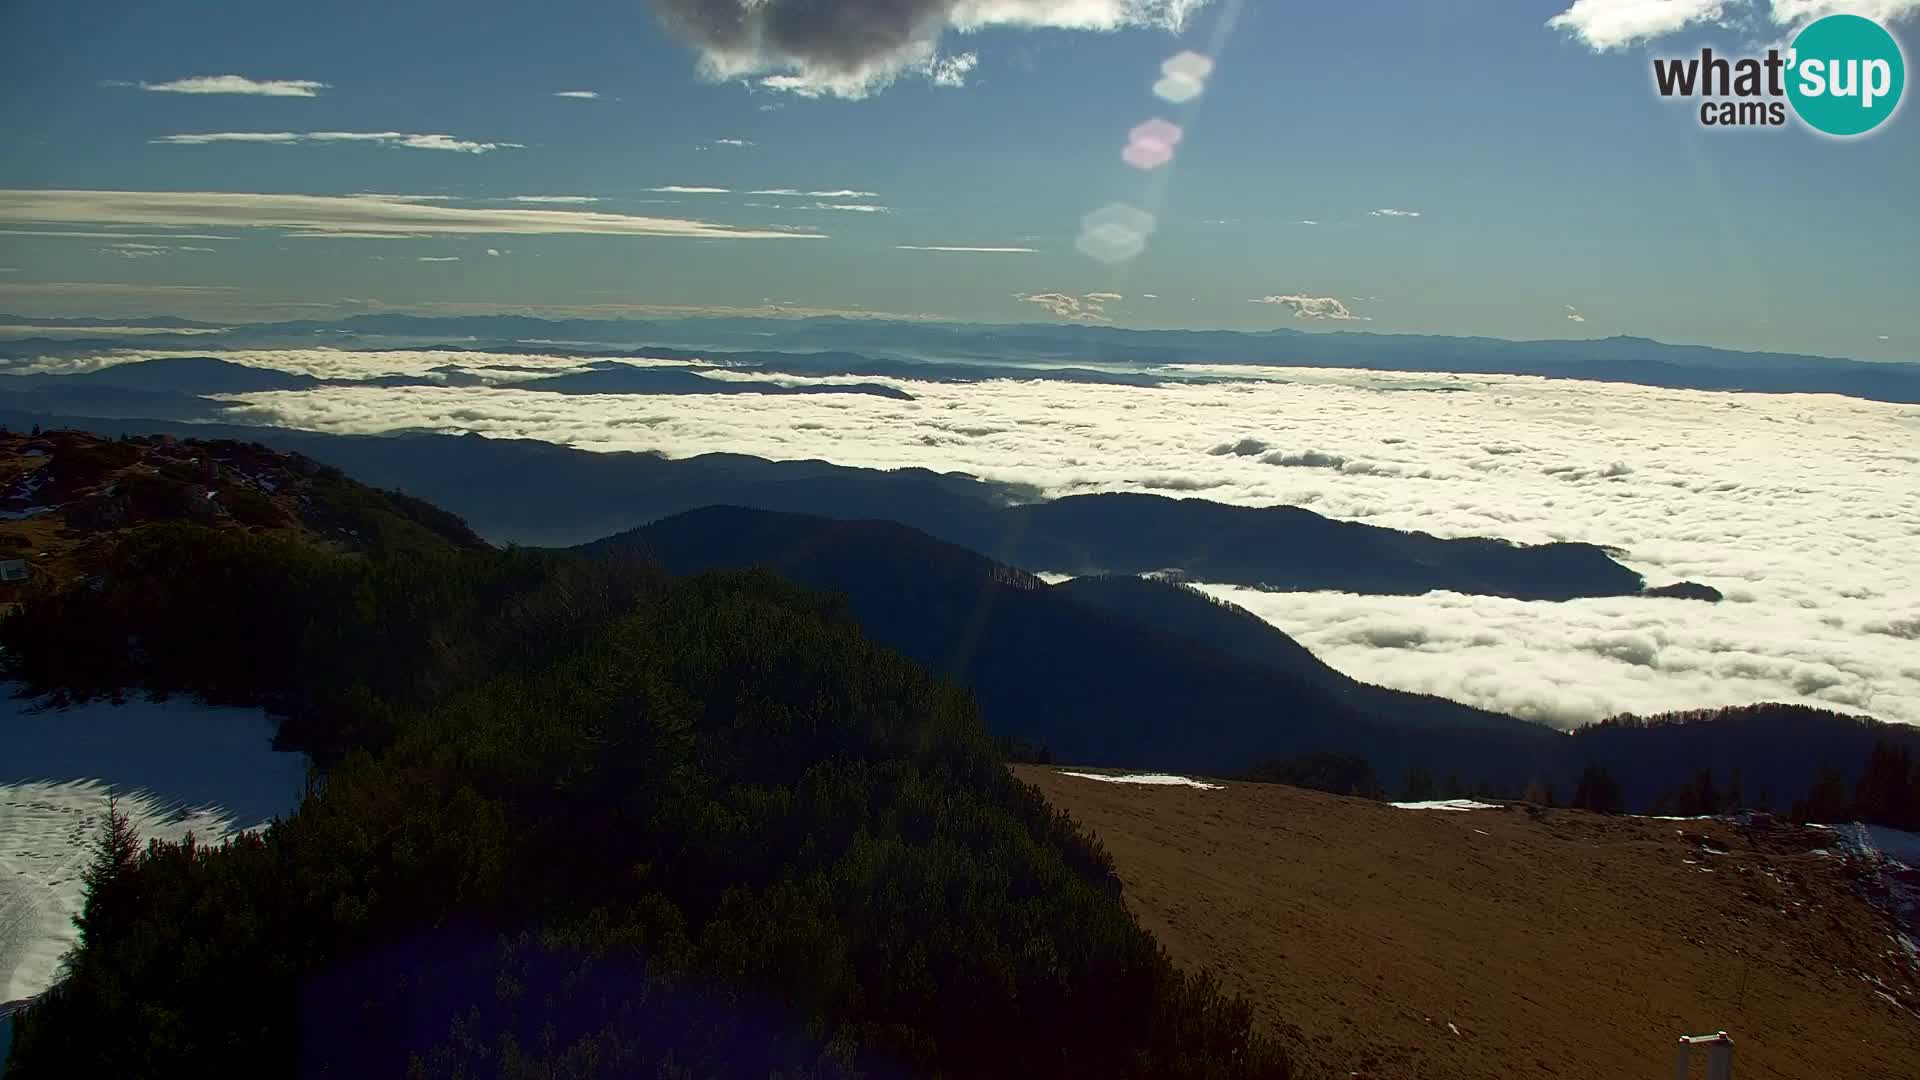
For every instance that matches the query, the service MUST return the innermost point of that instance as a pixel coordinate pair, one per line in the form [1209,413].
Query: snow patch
[1872,840]
[47,832]
[1447,804]
[176,766]
[1164,779]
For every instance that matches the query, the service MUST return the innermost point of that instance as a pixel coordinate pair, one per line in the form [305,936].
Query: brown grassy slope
[1572,945]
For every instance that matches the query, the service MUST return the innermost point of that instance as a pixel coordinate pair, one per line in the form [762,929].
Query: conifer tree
[1598,791]
[108,876]
[1419,785]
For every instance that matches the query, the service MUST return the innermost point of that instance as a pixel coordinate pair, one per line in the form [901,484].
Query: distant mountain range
[1132,672]
[878,347]
[539,494]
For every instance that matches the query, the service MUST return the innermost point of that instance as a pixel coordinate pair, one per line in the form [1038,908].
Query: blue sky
[1547,178]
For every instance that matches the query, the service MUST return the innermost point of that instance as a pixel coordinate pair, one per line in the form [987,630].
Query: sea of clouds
[1803,509]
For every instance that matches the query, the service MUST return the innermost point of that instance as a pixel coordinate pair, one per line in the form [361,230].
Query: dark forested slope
[1095,680]
[580,819]
[1130,672]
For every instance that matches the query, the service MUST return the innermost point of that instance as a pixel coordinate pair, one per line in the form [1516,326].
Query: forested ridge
[581,819]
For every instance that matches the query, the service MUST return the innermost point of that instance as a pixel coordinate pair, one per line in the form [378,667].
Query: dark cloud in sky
[853,47]
[843,36]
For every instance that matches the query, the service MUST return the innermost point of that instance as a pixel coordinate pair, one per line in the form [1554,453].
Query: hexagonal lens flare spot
[1188,65]
[1143,155]
[1111,244]
[1115,233]
[1150,145]
[1178,89]
[1183,77]
[1124,215]
[1156,131]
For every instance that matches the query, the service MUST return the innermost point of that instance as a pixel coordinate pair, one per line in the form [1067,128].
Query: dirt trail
[1430,944]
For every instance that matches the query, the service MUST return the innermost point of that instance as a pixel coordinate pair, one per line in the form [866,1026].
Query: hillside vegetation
[1133,672]
[67,496]
[580,819]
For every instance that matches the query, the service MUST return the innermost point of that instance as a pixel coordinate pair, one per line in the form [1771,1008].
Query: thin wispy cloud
[857,208]
[132,250]
[438,258]
[94,290]
[341,216]
[851,50]
[406,140]
[730,142]
[90,234]
[1386,211]
[582,95]
[1090,307]
[956,247]
[1573,314]
[556,199]
[1311,307]
[689,189]
[230,84]
[840,193]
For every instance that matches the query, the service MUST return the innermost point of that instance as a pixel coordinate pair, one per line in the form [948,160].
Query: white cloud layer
[1800,508]
[339,215]
[401,139]
[1604,25]
[981,250]
[836,193]
[1311,307]
[583,95]
[147,251]
[1614,24]
[235,84]
[1090,307]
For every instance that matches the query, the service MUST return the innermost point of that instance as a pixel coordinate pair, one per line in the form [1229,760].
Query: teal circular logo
[1845,74]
